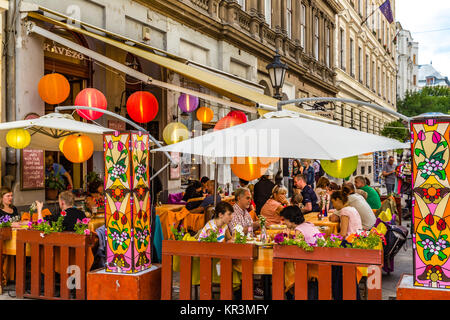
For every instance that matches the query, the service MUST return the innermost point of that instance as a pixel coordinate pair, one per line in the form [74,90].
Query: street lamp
[277,72]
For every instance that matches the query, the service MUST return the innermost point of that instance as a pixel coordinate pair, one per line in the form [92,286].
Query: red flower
[116,215]
[441,225]
[429,219]
[63,213]
[124,219]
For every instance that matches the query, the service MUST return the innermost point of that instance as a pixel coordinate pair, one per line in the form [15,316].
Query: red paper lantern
[93,98]
[227,122]
[142,106]
[54,88]
[238,115]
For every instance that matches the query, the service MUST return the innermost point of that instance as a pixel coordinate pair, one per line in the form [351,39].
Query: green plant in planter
[55,182]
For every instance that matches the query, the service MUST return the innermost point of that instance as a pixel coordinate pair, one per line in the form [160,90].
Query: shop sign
[63,51]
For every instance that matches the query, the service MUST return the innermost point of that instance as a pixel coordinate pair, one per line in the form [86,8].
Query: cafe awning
[241,97]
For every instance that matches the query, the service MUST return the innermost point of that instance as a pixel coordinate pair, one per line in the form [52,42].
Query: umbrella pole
[216,181]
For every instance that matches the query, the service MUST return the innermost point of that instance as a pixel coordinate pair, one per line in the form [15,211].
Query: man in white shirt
[358,202]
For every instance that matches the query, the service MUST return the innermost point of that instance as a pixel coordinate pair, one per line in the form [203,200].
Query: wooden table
[312,217]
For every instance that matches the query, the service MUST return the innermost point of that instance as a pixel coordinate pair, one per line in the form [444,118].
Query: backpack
[396,237]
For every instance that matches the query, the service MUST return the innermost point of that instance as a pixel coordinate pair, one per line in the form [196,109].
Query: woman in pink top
[272,208]
[350,220]
[294,219]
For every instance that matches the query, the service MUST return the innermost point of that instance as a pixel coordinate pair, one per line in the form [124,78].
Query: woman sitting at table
[294,220]
[349,218]
[208,201]
[219,223]
[194,190]
[6,206]
[70,213]
[95,202]
[272,208]
[297,200]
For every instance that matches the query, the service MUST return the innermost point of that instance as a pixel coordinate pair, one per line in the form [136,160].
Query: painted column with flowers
[430,136]
[127,203]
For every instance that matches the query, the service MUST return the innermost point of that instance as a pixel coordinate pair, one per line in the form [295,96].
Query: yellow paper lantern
[175,132]
[18,138]
[61,144]
[250,168]
[78,148]
[342,168]
[205,114]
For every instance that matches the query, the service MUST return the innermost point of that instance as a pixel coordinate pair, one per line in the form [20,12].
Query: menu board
[33,170]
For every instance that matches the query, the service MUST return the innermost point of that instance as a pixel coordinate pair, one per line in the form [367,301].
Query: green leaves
[427,254]
[418,152]
[441,174]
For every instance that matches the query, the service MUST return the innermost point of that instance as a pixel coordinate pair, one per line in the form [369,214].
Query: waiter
[53,168]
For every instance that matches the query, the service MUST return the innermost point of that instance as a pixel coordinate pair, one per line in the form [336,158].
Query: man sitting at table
[308,194]
[373,198]
[194,190]
[209,200]
[240,214]
[68,210]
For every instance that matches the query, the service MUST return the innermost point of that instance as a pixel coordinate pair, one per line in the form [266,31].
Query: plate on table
[277,226]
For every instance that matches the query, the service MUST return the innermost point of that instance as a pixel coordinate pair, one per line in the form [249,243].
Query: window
[328,47]
[316,38]
[414,59]
[289,18]
[302,25]
[382,32]
[373,17]
[373,76]
[242,3]
[379,81]
[342,49]
[363,170]
[367,71]
[352,59]
[360,63]
[414,79]
[360,7]
[369,170]
[268,12]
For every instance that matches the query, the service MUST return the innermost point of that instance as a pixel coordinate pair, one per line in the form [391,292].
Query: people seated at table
[223,212]
[297,200]
[373,198]
[204,180]
[95,202]
[293,218]
[323,196]
[241,215]
[243,183]
[262,192]
[330,189]
[272,208]
[308,171]
[208,201]
[349,218]
[309,196]
[194,190]
[6,203]
[71,214]
[358,202]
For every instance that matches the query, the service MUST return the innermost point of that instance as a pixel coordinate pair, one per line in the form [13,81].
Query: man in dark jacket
[262,192]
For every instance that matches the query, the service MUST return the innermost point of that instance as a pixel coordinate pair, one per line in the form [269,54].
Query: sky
[419,16]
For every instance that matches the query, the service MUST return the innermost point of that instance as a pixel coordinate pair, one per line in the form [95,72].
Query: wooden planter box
[5,234]
[226,252]
[349,259]
[60,252]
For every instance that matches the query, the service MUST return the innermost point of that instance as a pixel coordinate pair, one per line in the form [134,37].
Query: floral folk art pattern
[127,209]
[431,212]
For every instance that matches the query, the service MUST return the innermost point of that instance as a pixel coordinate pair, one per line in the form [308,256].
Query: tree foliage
[395,130]
[428,99]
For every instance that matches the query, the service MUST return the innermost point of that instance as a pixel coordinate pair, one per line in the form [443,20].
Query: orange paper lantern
[53,88]
[250,168]
[93,98]
[205,114]
[78,148]
[227,122]
[142,106]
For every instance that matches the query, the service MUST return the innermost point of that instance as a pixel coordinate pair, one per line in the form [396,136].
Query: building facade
[430,77]
[407,57]
[365,69]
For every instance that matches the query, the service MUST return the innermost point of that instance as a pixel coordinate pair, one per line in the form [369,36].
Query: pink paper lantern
[188,103]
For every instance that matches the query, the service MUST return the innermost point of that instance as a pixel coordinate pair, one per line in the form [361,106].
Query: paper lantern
[187,103]
[175,132]
[227,122]
[78,148]
[53,88]
[18,138]
[93,98]
[342,168]
[205,114]
[142,106]
[250,168]
[61,144]
[238,115]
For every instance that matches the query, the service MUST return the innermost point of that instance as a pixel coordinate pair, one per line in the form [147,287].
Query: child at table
[219,223]
[294,219]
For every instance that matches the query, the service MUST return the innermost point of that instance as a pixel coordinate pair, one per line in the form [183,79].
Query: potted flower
[54,183]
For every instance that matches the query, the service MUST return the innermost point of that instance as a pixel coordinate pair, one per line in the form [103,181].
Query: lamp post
[277,72]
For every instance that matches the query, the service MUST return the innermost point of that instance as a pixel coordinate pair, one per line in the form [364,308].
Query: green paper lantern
[342,168]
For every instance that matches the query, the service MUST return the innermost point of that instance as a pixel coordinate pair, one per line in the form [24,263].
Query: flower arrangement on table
[178,234]
[5,222]
[239,236]
[81,227]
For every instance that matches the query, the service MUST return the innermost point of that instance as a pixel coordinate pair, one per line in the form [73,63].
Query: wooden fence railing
[56,253]
[5,234]
[325,259]
[226,252]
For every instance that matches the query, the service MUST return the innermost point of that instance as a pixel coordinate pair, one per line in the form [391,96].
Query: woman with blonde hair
[272,208]
[6,206]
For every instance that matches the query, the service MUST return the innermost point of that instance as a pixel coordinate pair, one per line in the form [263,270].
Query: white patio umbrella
[47,131]
[285,134]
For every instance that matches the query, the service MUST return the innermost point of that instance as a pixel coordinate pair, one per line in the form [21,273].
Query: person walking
[389,175]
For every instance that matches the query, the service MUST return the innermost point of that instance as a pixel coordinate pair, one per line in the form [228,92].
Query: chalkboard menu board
[33,170]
